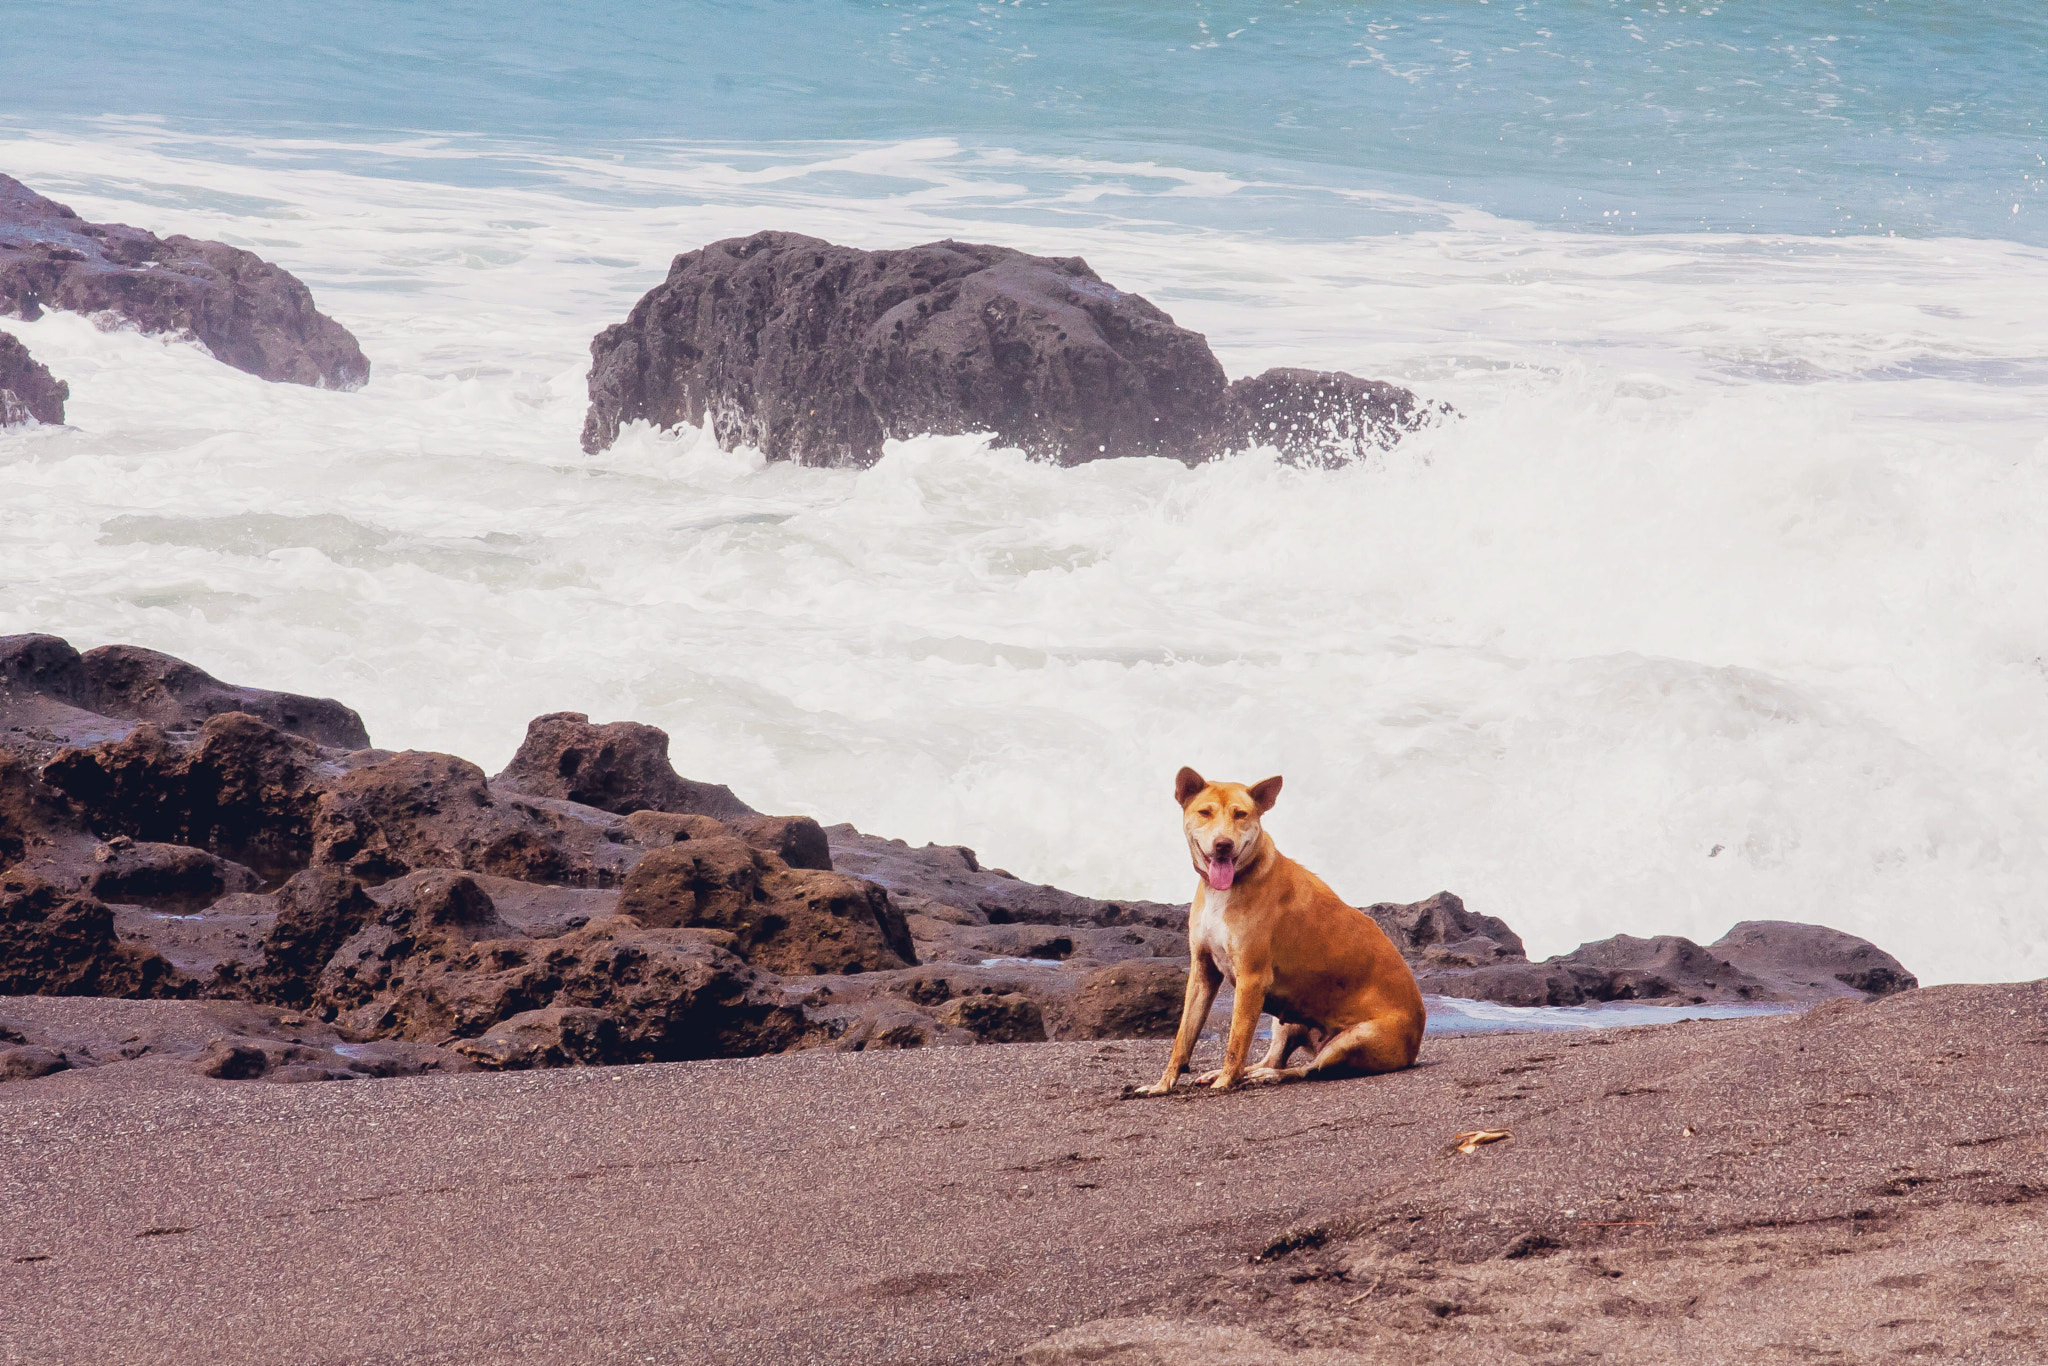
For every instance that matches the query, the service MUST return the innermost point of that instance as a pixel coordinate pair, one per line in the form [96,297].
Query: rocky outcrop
[794,921]
[399,912]
[1457,953]
[247,312]
[818,353]
[621,767]
[56,942]
[28,393]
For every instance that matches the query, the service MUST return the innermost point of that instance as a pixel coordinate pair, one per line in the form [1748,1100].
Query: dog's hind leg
[1368,1047]
[1286,1038]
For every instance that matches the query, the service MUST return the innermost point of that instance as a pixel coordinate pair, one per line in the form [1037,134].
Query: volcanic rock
[316,911]
[247,312]
[144,685]
[426,810]
[27,391]
[559,1036]
[789,920]
[1440,932]
[1806,959]
[170,877]
[947,882]
[1136,999]
[622,767]
[1322,417]
[1010,1018]
[818,353]
[243,789]
[55,942]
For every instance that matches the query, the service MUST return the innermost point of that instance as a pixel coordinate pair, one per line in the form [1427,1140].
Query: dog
[1324,970]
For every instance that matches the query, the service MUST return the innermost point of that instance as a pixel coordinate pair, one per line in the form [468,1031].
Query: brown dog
[1324,970]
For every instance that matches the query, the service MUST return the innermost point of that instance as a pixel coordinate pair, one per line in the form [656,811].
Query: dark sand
[1867,1183]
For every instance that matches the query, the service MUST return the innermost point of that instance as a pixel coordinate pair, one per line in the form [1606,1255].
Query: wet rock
[26,1062]
[817,353]
[1010,1018]
[28,393]
[948,883]
[1666,969]
[247,312]
[798,841]
[1801,959]
[559,1036]
[1137,999]
[130,682]
[621,767]
[42,696]
[788,920]
[1440,932]
[38,830]
[1325,417]
[170,877]
[243,790]
[55,942]
[440,965]
[317,911]
[426,810]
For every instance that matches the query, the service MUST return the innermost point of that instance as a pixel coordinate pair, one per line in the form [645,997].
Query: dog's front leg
[1244,1020]
[1203,980]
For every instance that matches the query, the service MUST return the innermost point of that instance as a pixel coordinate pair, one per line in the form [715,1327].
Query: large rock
[55,942]
[28,393]
[621,767]
[242,789]
[1137,999]
[425,810]
[1440,932]
[818,353]
[439,966]
[788,920]
[247,312]
[1808,959]
[317,911]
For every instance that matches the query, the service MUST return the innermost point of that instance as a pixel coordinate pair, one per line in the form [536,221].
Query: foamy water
[1726,598]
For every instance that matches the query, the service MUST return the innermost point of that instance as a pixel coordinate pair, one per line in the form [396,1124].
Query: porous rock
[621,767]
[819,353]
[1440,932]
[316,912]
[242,789]
[1136,999]
[249,313]
[147,685]
[1803,958]
[57,942]
[424,810]
[788,920]
[28,392]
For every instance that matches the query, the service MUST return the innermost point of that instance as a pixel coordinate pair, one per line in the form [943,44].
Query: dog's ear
[1186,784]
[1266,793]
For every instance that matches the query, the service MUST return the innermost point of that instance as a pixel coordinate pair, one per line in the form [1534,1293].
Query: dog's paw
[1205,1078]
[1265,1076]
[1157,1088]
[1225,1082]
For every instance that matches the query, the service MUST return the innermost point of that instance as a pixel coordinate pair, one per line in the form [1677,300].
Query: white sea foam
[1726,598]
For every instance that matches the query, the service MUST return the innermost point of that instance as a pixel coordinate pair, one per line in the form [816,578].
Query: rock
[143,685]
[1665,969]
[243,789]
[1812,958]
[947,882]
[247,312]
[38,830]
[28,1061]
[622,767]
[169,877]
[559,1036]
[425,810]
[42,699]
[59,943]
[884,1026]
[788,920]
[1327,417]
[1440,932]
[317,911]
[1137,999]
[798,841]
[817,353]
[1009,1018]
[27,391]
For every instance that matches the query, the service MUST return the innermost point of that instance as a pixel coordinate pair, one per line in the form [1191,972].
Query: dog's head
[1222,823]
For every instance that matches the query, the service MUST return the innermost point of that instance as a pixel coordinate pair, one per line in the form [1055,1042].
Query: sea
[1723,598]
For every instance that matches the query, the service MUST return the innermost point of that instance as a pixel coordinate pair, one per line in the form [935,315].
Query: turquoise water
[1827,117]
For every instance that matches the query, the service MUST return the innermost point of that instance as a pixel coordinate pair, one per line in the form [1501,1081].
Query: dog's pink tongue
[1221,872]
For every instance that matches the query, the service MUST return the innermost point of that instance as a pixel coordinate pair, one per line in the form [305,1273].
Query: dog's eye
[1236,814]
[1206,812]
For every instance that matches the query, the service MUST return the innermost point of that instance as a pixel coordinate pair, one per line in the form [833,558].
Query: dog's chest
[1211,931]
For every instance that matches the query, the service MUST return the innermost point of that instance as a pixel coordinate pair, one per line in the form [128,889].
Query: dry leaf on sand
[1469,1142]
